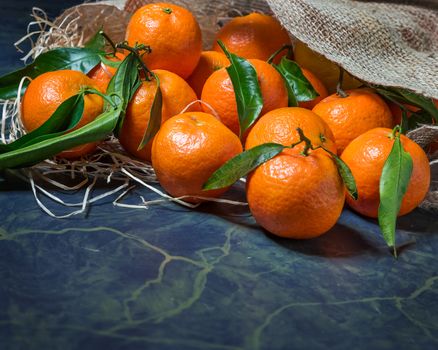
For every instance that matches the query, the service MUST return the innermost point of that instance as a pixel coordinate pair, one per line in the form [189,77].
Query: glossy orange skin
[354,115]
[102,73]
[209,62]
[280,126]
[366,156]
[175,37]
[188,149]
[253,36]
[218,92]
[292,195]
[295,196]
[176,93]
[46,93]
[317,85]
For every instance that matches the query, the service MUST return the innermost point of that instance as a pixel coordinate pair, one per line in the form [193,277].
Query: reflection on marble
[174,278]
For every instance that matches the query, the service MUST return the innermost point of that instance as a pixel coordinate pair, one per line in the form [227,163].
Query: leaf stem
[91,90]
[108,39]
[308,146]
[224,48]
[404,110]
[394,132]
[305,139]
[136,51]
[339,89]
[404,121]
[343,169]
[275,54]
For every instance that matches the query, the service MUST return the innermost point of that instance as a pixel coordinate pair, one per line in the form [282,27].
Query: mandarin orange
[280,126]
[188,149]
[253,36]
[296,196]
[366,156]
[348,117]
[46,93]
[209,62]
[317,85]
[218,92]
[176,94]
[173,35]
[103,73]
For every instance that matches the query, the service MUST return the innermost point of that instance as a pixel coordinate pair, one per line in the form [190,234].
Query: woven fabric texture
[383,43]
[388,44]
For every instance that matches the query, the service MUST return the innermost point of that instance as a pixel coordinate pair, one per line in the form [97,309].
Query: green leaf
[125,83]
[405,96]
[241,165]
[298,87]
[66,117]
[97,42]
[246,88]
[404,122]
[155,116]
[107,62]
[346,175]
[81,59]
[394,182]
[96,130]
[417,118]
[424,103]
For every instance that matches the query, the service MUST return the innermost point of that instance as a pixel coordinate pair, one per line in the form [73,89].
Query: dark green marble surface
[173,278]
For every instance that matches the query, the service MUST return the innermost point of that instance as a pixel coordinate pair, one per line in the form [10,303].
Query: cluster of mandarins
[295,194]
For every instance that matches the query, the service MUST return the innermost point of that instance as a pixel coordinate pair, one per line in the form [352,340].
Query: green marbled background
[173,278]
